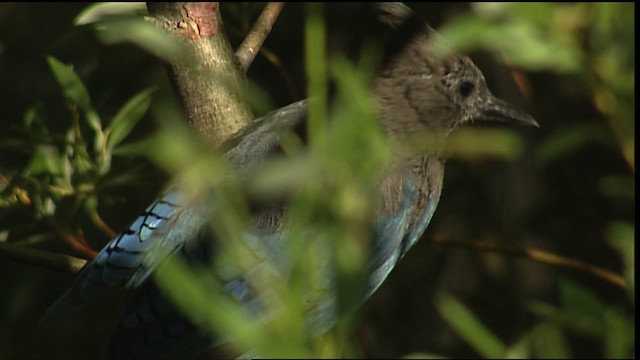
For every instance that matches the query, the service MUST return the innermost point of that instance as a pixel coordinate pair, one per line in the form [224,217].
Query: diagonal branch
[250,47]
[536,255]
[45,259]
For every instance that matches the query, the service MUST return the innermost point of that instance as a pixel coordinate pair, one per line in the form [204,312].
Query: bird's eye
[466,88]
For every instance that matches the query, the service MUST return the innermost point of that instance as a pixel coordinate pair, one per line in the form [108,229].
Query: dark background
[558,206]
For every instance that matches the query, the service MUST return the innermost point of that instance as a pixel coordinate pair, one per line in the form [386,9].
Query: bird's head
[420,89]
[462,84]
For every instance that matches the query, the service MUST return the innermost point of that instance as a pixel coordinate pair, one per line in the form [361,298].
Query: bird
[415,91]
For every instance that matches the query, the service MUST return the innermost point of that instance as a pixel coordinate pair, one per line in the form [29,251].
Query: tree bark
[208,79]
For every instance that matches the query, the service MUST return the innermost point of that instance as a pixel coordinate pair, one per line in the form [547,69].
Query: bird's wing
[396,230]
[388,233]
[172,220]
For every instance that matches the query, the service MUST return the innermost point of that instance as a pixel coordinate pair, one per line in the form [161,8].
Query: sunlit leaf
[46,160]
[74,90]
[510,33]
[526,47]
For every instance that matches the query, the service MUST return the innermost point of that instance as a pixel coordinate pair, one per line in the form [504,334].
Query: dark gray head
[417,90]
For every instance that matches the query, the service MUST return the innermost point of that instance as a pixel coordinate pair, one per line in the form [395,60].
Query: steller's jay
[415,91]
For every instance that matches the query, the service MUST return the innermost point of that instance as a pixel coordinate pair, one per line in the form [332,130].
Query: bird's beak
[501,111]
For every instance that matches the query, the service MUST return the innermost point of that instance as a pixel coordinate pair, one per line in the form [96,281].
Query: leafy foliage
[68,150]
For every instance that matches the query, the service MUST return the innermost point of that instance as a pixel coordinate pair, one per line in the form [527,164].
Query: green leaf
[145,35]
[515,36]
[581,310]
[620,335]
[316,67]
[423,355]
[46,160]
[484,143]
[549,342]
[622,236]
[142,147]
[469,327]
[571,139]
[74,90]
[200,298]
[99,11]
[127,118]
[582,307]
[530,47]
[619,186]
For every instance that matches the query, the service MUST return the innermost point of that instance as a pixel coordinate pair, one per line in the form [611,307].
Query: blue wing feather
[166,225]
[119,260]
[389,232]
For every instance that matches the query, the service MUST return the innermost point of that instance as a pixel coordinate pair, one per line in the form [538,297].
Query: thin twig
[45,259]
[76,241]
[275,61]
[101,224]
[250,47]
[536,255]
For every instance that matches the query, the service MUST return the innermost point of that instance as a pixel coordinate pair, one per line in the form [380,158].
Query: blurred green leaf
[621,235]
[476,143]
[582,306]
[259,99]
[278,178]
[521,349]
[316,69]
[127,118]
[142,147]
[581,310]
[99,11]
[525,46]
[46,160]
[571,139]
[133,29]
[620,334]
[548,342]
[618,186]
[193,289]
[472,330]
[519,41]
[423,355]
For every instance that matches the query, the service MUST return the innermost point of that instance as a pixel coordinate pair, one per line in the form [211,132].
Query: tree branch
[209,81]
[45,259]
[536,255]
[250,47]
